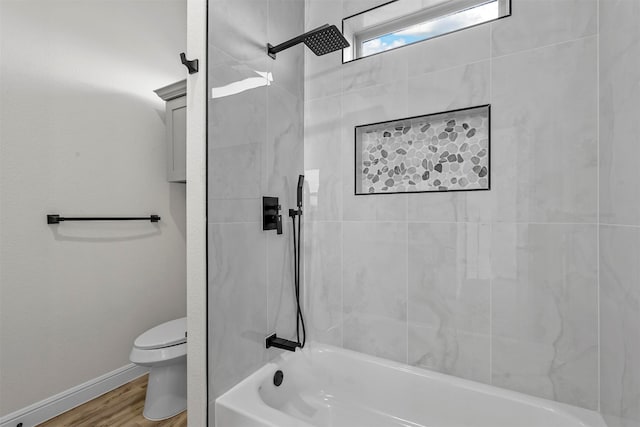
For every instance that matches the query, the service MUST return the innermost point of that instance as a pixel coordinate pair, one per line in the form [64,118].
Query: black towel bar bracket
[57,219]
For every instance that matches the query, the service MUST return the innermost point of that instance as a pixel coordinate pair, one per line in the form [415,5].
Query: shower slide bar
[57,219]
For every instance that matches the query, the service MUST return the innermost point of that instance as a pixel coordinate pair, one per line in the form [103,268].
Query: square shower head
[325,39]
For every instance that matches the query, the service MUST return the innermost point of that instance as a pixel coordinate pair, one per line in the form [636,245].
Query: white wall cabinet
[175,96]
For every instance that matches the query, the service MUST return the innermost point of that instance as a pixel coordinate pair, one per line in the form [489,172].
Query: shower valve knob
[271,218]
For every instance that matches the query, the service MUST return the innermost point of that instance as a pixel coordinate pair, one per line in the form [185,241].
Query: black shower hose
[296,280]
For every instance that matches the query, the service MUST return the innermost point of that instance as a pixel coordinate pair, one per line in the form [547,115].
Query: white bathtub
[324,386]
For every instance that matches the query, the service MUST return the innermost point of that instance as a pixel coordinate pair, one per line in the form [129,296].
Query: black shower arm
[272,50]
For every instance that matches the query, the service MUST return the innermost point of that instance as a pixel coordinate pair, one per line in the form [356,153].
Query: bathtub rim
[237,401]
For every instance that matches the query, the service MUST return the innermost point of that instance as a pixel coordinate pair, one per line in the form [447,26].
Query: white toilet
[164,350]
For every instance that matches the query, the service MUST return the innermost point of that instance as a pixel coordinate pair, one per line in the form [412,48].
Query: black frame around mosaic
[357,169]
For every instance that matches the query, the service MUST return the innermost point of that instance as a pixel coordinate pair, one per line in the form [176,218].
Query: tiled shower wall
[499,286]
[620,212]
[254,148]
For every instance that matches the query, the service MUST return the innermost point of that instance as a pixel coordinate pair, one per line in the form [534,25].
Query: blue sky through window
[435,27]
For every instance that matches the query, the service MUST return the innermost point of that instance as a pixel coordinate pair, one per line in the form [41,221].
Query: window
[401,23]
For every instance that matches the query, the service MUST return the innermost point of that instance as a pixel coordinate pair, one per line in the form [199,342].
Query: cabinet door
[177,139]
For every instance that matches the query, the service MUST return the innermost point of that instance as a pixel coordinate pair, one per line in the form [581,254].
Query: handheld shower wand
[273,340]
[298,212]
[300,184]
[293,213]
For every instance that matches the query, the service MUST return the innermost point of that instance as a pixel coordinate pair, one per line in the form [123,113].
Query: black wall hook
[192,65]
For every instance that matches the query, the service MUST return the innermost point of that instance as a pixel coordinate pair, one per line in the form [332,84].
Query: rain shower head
[325,39]
[322,40]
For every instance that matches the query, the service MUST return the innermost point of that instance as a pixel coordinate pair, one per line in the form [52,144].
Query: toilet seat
[159,356]
[161,345]
[165,335]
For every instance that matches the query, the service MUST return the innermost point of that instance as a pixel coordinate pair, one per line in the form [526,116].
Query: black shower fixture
[274,340]
[271,218]
[322,40]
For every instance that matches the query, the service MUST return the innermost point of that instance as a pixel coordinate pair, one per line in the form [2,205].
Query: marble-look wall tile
[284,163]
[619,204]
[351,7]
[544,171]
[239,119]
[284,148]
[281,298]
[320,12]
[323,74]
[236,172]
[466,206]
[544,311]
[236,184]
[375,300]
[619,112]
[459,87]
[455,88]
[544,138]
[449,51]
[255,141]
[369,105]
[620,319]
[376,335]
[373,104]
[239,28]
[237,309]
[536,23]
[323,148]
[375,70]
[450,351]
[234,210]
[284,23]
[236,124]
[448,299]
[323,281]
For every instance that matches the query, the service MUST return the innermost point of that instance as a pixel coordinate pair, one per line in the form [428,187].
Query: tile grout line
[409,77]
[342,324]
[342,285]
[490,379]
[598,392]
[531,49]
[619,225]
[406,257]
[440,222]
[406,218]
[400,221]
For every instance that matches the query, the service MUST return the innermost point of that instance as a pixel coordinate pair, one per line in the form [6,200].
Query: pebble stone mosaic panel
[440,152]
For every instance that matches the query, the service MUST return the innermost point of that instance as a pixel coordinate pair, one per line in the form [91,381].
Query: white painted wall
[82,133]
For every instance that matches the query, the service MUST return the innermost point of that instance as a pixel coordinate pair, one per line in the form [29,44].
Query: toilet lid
[164,335]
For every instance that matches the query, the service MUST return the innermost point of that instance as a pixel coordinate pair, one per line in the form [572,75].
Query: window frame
[440,10]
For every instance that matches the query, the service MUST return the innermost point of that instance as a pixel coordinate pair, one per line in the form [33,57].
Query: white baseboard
[53,406]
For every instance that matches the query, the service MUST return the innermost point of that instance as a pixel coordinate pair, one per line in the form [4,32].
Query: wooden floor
[121,407]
